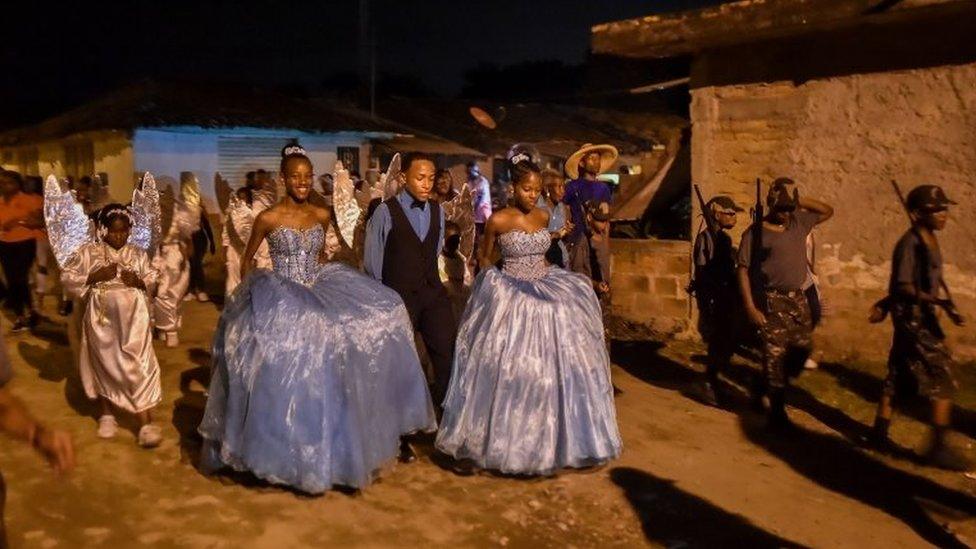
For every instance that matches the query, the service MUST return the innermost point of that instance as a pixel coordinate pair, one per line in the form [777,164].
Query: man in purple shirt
[583,167]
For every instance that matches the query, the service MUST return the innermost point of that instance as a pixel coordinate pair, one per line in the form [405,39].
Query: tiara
[520,157]
[293,150]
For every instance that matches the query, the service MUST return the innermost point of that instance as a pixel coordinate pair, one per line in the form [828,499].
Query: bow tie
[417,204]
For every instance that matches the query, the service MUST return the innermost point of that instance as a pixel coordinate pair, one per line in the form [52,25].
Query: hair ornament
[293,150]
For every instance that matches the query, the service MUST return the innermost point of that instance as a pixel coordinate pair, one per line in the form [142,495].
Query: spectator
[21,221]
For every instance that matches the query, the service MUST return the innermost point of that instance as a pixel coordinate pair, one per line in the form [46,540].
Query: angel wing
[186,217]
[241,217]
[223,191]
[67,225]
[147,216]
[460,210]
[345,205]
[389,182]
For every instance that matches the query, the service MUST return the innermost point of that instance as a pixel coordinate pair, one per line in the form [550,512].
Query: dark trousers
[16,259]
[432,315]
[717,314]
[197,279]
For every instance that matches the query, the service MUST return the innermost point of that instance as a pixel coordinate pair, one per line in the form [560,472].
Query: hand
[131,279]
[103,274]
[602,288]
[877,314]
[953,313]
[756,317]
[567,228]
[56,447]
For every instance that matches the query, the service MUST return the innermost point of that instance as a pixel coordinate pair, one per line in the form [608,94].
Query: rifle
[947,304]
[757,280]
[711,228]
[709,219]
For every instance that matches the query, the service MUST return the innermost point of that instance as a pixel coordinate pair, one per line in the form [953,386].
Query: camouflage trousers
[919,361]
[786,336]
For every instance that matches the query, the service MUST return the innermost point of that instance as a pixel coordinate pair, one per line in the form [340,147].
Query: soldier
[715,290]
[919,357]
[771,283]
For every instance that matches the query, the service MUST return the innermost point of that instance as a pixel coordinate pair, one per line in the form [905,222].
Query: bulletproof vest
[409,264]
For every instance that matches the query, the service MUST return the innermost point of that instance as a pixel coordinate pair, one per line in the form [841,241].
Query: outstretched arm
[16,421]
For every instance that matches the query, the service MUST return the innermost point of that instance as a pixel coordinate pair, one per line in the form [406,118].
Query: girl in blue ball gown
[315,374]
[530,390]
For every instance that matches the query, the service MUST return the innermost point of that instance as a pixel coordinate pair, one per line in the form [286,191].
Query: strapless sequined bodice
[295,252]
[524,254]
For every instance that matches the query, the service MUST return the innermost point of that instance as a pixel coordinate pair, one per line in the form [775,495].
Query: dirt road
[690,475]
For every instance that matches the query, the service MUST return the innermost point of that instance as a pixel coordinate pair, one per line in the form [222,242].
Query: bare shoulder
[268,218]
[323,215]
[502,219]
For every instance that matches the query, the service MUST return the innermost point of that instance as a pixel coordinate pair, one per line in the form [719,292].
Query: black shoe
[407,455]
[20,325]
[709,395]
[946,457]
[464,468]
[779,422]
[879,441]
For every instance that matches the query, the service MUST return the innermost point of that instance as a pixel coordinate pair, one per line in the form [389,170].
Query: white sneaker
[150,436]
[811,364]
[188,297]
[107,426]
[172,339]
[203,297]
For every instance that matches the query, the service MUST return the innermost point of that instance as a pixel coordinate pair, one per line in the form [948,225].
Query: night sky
[53,60]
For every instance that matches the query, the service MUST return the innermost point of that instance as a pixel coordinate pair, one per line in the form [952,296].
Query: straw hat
[608,155]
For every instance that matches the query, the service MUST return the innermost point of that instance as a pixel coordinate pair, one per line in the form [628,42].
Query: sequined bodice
[524,254]
[295,252]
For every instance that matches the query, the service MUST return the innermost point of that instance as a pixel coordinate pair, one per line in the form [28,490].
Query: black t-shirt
[714,259]
[908,265]
[784,253]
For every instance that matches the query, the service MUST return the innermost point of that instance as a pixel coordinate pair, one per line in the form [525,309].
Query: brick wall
[649,281]
[843,139]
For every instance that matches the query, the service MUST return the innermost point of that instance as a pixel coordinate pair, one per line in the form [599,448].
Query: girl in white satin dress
[112,280]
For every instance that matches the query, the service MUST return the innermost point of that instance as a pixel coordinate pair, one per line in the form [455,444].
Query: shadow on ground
[834,463]
[56,364]
[673,517]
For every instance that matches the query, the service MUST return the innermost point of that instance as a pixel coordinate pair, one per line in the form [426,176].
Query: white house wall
[167,152]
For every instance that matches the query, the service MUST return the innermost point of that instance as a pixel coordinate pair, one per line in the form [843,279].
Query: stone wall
[843,140]
[648,284]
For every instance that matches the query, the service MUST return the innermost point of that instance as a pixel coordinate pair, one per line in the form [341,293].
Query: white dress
[116,359]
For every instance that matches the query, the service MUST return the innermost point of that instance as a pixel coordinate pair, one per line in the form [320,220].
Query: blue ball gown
[530,389]
[315,374]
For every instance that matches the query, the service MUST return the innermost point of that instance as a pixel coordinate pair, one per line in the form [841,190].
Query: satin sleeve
[74,274]
[146,272]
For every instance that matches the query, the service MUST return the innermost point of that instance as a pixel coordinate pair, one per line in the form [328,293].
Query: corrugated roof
[155,104]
